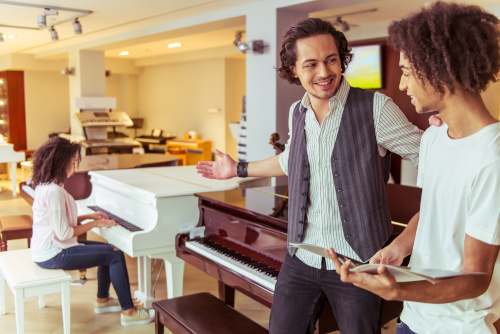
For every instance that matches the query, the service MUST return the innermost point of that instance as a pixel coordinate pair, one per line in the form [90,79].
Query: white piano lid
[165,181]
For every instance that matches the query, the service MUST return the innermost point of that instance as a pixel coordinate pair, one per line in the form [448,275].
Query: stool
[202,313]
[26,279]
[15,227]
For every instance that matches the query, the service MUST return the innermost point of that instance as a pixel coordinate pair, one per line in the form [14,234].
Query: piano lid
[265,201]
[162,181]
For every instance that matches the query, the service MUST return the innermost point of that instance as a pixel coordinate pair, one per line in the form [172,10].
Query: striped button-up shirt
[393,132]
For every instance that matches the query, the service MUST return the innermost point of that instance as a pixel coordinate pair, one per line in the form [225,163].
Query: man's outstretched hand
[220,169]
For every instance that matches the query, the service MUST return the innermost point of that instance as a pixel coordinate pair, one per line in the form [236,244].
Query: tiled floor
[83,319]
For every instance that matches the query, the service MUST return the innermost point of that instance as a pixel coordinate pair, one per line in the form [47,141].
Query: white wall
[176,98]
[47,103]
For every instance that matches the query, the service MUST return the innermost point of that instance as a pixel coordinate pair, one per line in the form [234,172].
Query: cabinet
[12,108]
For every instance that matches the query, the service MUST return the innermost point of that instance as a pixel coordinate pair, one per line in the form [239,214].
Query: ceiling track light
[53,34]
[77,27]
[343,24]
[42,21]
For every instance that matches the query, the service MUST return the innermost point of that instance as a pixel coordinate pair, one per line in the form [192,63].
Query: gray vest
[359,175]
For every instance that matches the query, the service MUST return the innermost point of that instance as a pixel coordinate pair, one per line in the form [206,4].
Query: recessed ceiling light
[124,53]
[174,45]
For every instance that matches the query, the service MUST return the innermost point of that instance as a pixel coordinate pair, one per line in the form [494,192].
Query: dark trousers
[110,263]
[300,289]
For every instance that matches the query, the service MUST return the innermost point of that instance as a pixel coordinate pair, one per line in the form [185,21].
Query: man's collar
[340,96]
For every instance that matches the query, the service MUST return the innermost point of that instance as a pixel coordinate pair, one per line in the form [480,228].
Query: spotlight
[243,47]
[42,21]
[53,33]
[49,11]
[77,26]
[1,37]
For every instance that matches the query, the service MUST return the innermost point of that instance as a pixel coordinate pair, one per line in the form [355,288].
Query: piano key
[122,222]
[263,279]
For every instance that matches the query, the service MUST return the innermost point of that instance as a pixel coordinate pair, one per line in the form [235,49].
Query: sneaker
[142,316]
[112,305]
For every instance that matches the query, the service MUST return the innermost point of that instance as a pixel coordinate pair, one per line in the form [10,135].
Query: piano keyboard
[122,222]
[243,260]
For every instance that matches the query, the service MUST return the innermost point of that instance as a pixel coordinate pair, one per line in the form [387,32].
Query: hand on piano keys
[220,169]
[105,223]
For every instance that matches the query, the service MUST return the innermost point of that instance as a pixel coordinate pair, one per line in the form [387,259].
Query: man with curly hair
[337,164]
[449,54]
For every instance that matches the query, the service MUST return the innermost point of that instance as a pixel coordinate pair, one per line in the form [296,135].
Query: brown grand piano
[245,242]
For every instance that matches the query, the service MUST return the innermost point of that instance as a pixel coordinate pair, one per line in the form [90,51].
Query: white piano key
[254,275]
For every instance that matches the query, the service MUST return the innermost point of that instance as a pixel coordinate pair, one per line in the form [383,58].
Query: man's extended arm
[226,167]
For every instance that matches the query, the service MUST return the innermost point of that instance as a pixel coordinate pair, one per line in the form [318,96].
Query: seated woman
[54,244]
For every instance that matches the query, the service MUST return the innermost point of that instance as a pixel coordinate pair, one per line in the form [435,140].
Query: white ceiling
[104,28]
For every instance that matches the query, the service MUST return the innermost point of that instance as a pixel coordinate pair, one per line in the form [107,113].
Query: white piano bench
[26,279]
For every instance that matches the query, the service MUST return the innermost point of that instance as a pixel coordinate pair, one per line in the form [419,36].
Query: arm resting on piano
[226,168]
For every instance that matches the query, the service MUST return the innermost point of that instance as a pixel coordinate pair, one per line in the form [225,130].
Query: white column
[89,80]
[268,97]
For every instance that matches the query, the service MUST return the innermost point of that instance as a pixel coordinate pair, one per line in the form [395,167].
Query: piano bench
[202,313]
[15,227]
[26,279]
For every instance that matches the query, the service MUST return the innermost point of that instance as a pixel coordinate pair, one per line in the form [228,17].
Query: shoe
[112,305]
[142,316]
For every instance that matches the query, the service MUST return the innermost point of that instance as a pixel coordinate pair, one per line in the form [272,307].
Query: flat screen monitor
[365,69]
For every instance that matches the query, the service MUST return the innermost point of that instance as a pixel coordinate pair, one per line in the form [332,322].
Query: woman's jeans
[110,263]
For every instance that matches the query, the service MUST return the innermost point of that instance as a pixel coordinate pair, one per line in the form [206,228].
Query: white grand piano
[157,202]
[7,154]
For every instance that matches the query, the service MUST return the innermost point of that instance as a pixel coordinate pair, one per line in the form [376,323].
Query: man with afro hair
[449,55]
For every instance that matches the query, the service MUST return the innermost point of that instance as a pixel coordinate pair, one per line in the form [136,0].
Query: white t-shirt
[460,182]
[54,216]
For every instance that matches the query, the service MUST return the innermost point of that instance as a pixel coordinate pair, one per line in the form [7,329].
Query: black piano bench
[202,313]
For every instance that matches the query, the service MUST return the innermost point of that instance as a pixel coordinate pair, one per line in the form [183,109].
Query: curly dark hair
[309,28]
[51,160]
[449,43]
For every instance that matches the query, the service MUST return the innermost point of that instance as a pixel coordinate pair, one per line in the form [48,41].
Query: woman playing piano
[54,244]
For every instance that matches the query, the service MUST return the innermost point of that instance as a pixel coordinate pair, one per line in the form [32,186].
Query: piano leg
[174,268]
[144,281]
[226,293]
[13,176]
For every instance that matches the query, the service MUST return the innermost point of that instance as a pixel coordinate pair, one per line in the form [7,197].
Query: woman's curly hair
[309,28]
[449,43]
[51,160]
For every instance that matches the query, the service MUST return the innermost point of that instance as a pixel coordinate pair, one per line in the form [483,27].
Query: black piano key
[120,221]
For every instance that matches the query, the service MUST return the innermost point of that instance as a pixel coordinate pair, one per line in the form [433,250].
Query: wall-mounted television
[365,68]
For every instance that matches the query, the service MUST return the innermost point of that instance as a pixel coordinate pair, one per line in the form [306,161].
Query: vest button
[341,205]
[339,190]
[303,209]
[345,220]
[304,193]
[299,235]
[301,222]
[336,174]
[306,179]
